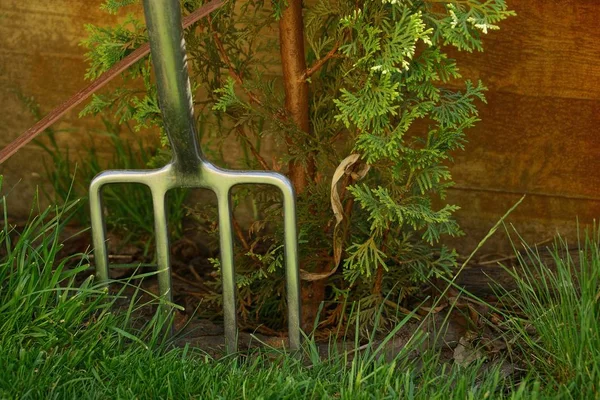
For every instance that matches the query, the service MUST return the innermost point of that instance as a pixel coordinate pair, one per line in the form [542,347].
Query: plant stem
[253,150]
[239,233]
[378,281]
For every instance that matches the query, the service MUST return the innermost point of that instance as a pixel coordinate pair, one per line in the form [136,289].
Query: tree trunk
[293,62]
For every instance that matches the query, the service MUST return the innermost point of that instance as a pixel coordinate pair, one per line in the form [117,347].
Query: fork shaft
[163,19]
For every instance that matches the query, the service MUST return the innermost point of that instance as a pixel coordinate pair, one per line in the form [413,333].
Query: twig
[195,294]
[227,61]
[239,233]
[193,271]
[320,62]
[192,283]
[253,150]
[106,77]
[336,136]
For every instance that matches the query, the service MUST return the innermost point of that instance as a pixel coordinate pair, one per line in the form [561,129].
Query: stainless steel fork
[189,168]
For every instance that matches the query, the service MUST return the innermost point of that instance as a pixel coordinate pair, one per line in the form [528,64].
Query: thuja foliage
[381,85]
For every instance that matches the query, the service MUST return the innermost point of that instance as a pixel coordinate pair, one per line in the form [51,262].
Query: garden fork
[188,168]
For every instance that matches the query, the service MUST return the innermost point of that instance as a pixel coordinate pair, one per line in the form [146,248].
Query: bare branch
[320,62]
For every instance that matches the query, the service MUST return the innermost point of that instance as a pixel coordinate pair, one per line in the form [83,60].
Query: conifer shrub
[366,116]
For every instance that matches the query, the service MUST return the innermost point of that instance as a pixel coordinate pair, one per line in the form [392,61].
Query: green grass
[558,322]
[61,338]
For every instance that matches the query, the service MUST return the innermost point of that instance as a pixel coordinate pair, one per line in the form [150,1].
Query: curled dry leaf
[350,166]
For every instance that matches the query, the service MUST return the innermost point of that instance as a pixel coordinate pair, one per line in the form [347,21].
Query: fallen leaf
[465,352]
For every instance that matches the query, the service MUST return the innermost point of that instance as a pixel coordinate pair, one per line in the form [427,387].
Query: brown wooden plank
[550,49]
[531,144]
[537,219]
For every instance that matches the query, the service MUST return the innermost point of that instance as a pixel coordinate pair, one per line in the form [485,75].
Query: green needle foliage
[381,85]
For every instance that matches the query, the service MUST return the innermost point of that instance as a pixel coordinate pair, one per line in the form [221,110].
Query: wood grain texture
[94,87]
[539,132]
[40,57]
[537,219]
[530,144]
[550,49]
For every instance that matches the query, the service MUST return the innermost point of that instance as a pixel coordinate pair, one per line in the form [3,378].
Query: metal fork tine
[290,242]
[99,231]
[291,265]
[227,271]
[161,231]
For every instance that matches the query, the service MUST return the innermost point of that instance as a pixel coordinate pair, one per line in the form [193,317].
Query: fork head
[220,181]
